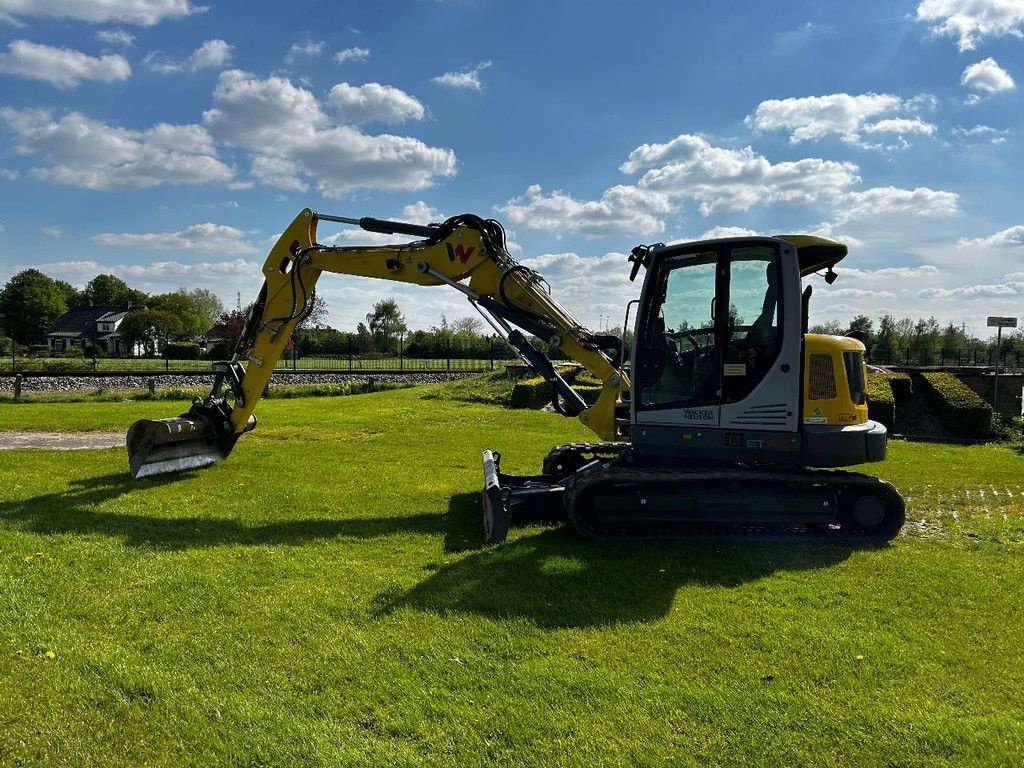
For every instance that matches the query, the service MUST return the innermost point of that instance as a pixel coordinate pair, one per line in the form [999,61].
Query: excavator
[723,411]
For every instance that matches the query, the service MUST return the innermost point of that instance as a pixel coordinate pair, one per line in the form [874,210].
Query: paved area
[61,441]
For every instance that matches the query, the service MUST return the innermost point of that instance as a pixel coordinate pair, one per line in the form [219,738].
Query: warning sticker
[734,369]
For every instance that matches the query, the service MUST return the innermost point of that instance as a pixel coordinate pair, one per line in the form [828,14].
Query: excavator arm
[465,252]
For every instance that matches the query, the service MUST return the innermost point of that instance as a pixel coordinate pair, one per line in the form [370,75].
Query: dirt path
[60,441]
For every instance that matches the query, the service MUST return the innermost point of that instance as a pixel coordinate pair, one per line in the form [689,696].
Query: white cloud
[970,21]
[8,175]
[81,152]
[198,238]
[51,232]
[421,213]
[983,132]
[814,117]
[1011,237]
[293,141]
[736,179]
[142,12]
[889,201]
[1002,290]
[211,54]
[986,75]
[374,102]
[716,233]
[468,79]
[62,67]
[621,210]
[115,37]
[304,50]
[352,54]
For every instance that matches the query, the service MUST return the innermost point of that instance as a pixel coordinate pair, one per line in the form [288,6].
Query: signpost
[999,323]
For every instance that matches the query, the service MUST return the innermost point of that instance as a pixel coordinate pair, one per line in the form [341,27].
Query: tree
[110,289]
[149,328]
[206,303]
[385,322]
[197,309]
[862,327]
[31,302]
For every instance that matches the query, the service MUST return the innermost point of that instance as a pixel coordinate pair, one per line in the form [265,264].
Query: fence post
[490,350]
[448,351]
[152,385]
[401,351]
[350,353]
[295,353]
[17,386]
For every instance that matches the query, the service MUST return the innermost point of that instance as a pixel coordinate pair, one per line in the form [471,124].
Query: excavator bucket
[160,446]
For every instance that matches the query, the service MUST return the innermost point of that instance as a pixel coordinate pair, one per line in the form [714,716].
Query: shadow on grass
[557,580]
[551,578]
[73,512]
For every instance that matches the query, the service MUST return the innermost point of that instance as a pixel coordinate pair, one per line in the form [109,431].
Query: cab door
[710,343]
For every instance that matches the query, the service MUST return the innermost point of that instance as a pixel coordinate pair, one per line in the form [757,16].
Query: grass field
[322,599]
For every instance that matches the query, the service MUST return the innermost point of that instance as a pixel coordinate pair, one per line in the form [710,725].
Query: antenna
[238,301]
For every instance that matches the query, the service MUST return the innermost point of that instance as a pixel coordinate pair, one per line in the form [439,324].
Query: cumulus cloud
[970,21]
[352,54]
[142,12]
[987,76]
[921,201]
[211,54]
[467,79]
[115,37]
[1002,290]
[621,209]
[374,102]
[62,67]
[78,151]
[1011,237]
[199,238]
[304,50]
[814,117]
[722,179]
[293,142]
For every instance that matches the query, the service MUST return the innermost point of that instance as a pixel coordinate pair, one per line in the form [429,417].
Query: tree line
[922,340]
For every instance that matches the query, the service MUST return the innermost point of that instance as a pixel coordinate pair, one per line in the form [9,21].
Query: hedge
[900,384]
[531,393]
[881,402]
[182,350]
[536,393]
[960,409]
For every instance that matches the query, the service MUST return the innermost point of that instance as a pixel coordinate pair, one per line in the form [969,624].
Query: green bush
[900,384]
[6,345]
[182,350]
[531,393]
[960,409]
[881,402]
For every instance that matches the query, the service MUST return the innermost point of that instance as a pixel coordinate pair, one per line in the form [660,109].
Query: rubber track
[790,478]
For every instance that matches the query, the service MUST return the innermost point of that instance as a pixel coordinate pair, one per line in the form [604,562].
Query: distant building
[94,326]
[218,336]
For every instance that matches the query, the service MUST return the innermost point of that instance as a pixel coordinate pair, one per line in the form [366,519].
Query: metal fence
[975,357]
[297,363]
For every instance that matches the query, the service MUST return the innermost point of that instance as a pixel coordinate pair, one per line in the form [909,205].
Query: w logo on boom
[460,251]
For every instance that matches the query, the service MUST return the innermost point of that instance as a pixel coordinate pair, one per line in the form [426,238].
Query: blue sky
[168,141]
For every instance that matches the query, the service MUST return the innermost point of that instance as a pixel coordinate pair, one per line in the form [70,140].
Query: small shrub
[900,384]
[182,350]
[6,345]
[881,402]
[960,409]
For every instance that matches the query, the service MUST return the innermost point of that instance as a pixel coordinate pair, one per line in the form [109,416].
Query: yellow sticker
[735,369]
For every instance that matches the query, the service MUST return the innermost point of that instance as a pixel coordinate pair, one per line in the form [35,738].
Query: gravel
[165,381]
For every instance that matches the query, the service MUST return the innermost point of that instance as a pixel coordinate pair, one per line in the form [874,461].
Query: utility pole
[999,323]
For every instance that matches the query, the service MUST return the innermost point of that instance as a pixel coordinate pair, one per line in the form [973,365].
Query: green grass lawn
[322,598]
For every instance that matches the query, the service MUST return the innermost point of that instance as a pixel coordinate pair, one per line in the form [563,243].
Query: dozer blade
[518,499]
[160,446]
